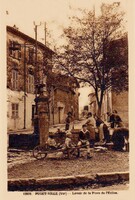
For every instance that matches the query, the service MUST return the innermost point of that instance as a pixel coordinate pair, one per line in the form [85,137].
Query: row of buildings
[29,64]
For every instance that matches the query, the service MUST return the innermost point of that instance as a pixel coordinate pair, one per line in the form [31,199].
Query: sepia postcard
[67,99]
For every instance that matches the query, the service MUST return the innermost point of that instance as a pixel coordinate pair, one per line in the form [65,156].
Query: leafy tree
[96,51]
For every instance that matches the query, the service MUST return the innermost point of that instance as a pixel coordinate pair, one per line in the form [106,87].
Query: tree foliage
[96,51]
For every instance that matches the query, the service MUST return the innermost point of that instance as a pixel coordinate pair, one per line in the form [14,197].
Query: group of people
[92,127]
[97,128]
[84,140]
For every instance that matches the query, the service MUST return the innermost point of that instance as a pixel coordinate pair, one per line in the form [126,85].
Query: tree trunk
[99,110]
[99,102]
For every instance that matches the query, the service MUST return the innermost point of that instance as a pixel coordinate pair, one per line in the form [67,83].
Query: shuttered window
[30,83]
[15,108]
[14,79]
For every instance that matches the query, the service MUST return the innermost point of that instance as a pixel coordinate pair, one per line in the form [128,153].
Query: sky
[55,13]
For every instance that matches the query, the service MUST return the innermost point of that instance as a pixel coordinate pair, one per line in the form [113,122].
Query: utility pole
[36,66]
[24,86]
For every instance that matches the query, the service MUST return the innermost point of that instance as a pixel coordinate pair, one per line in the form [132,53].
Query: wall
[18,97]
[112,101]
[63,102]
[120,103]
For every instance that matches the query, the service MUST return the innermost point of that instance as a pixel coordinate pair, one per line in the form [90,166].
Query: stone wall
[120,103]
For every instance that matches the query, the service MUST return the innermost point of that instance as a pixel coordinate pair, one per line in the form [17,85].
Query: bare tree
[96,51]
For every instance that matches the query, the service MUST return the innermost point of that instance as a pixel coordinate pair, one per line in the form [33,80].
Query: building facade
[64,98]
[29,64]
[23,74]
[111,101]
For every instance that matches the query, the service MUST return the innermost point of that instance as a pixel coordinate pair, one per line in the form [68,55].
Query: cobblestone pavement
[23,165]
[18,157]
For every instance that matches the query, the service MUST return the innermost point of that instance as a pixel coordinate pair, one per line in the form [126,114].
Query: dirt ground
[110,161]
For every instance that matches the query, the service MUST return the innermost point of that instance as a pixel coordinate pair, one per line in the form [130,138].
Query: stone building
[25,73]
[22,76]
[64,98]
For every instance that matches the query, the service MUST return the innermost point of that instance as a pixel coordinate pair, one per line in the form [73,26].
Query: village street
[22,164]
